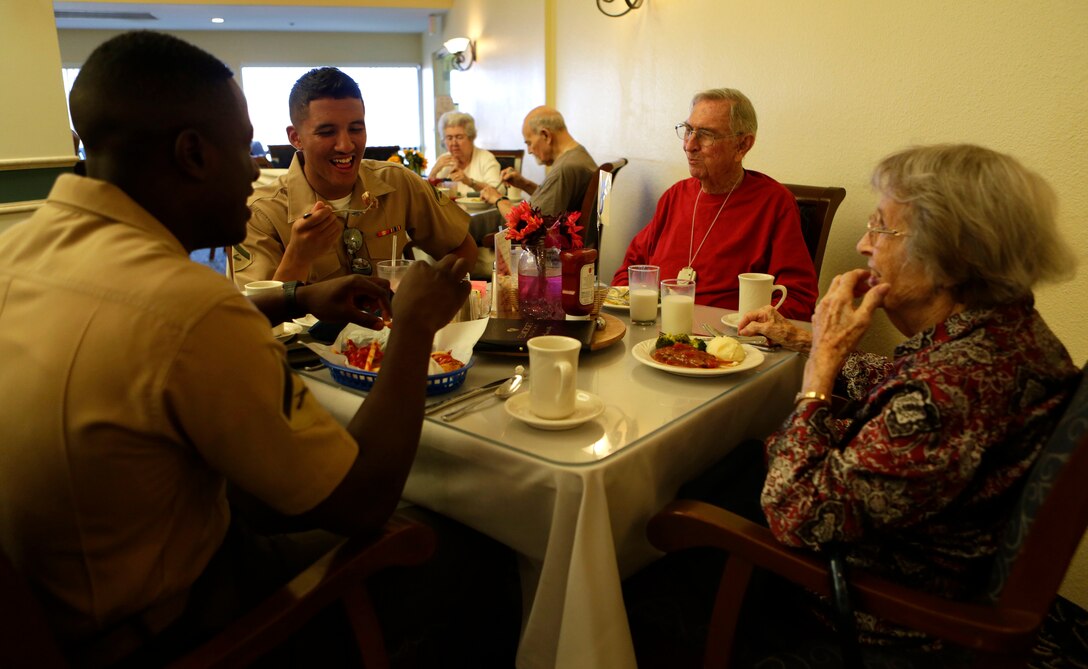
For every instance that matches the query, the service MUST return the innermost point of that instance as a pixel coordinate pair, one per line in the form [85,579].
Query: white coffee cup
[553,364]
[756,290]
[258,287]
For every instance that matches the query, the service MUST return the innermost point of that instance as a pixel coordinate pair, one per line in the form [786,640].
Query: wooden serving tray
[613,331]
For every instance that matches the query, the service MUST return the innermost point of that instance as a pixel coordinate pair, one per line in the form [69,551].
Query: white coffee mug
[756,290]
[258,287]
[553,365]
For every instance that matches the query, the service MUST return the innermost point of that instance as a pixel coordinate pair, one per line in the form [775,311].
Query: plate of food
[697,356]
[619,298]
[473,202]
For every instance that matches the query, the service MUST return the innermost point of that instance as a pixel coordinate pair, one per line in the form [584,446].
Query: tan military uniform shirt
[135,383]
[407,208]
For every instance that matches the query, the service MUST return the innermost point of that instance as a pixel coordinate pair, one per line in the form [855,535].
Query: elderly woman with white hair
[918,481]
[472,168]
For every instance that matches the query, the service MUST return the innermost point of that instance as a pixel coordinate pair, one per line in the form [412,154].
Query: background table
[574,504]
[483,221]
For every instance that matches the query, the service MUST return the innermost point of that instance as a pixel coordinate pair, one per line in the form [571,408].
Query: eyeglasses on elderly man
[703,136]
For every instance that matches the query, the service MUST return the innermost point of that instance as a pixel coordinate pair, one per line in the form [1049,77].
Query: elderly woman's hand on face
[441,163]
[776,328]
[838,325]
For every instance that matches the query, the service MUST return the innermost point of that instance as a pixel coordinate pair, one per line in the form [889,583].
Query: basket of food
[437,384]
[355,358]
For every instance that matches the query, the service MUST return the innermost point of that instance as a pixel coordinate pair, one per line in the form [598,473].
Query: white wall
[36,133]
[837,85]
[508,78]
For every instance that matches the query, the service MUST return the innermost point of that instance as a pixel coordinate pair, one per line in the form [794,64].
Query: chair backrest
[282,155]
[589,201]
[379,152]
[818,205]
[509,158]
[1050,517]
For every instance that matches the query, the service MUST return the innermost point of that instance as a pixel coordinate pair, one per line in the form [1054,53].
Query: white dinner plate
[473,202]
[732,320]
[289,330]
[642,352]
[587,406]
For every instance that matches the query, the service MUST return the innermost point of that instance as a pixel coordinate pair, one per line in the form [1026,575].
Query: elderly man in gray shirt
[548,140]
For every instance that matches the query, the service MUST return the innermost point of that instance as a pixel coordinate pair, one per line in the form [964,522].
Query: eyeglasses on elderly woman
[703,136]
[876,226]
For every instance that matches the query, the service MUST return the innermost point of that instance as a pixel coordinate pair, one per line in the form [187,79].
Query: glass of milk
[642,282]
[677,306]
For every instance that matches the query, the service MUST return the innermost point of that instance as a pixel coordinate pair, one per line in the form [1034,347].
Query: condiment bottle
[579,281]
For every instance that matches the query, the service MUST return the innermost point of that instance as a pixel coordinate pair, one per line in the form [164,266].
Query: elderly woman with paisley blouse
[919,480]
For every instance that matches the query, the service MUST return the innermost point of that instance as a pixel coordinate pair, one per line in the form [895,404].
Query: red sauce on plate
[684,355]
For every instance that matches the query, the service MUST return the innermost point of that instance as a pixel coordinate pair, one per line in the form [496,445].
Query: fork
[759,341]
[350,212]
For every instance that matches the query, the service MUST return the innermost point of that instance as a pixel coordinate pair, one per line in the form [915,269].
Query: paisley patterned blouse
[919,480]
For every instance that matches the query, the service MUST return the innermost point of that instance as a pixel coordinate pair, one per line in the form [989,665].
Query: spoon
[502,392]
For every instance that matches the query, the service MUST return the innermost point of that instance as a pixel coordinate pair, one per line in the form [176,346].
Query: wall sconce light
[462,51]
[631,4]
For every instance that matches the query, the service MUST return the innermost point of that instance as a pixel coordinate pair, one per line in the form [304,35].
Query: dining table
[574,503]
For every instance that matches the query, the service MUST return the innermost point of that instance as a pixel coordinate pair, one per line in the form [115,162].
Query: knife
[475,392]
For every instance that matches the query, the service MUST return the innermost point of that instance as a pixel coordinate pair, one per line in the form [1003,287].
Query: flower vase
[540,283]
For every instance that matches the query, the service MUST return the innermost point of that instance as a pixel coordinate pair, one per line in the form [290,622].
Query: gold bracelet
[810,395]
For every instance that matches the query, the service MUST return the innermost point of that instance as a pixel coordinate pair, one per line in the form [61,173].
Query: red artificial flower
[523,221]
[526,224]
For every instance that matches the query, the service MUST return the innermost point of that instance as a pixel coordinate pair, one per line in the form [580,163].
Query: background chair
[281,155]
[818,205]
[1040,540]
[340,575]
[509,158]
[589,201]
[379,152]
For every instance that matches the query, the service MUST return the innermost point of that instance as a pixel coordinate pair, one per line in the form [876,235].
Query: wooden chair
[818,205]
[509,158]
[1039,542]
[340,575]
[589,201]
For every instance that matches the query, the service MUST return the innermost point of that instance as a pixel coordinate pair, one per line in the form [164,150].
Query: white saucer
[732,320]
[289,330]
[587,407]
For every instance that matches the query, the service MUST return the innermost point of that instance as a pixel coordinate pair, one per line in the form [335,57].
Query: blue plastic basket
[437,384]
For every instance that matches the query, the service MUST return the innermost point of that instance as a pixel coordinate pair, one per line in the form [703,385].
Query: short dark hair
[143,82]
[318,83]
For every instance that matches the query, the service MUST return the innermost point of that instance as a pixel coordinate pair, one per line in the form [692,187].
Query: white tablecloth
[574,504]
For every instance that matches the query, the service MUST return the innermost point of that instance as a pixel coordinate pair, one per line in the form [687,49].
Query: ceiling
[154,16]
